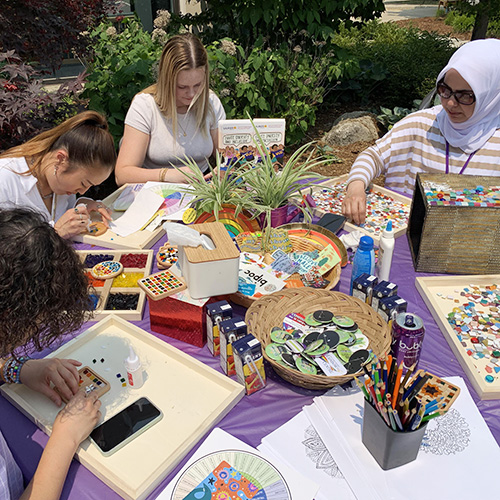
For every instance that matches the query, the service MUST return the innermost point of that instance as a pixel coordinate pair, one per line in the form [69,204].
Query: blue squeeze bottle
[364,259]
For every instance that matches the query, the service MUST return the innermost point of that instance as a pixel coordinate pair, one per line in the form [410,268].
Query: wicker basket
[300,244]
[269,311]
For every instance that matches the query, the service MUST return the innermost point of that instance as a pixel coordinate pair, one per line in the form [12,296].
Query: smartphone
[332,222]
[129,423]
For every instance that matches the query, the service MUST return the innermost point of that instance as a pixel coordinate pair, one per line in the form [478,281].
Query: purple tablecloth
[257,415]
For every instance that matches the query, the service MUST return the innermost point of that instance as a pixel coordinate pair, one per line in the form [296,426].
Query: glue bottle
[385,251]
[134,370]
[364,259]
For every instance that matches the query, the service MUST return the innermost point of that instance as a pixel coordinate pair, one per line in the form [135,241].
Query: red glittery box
[179,320]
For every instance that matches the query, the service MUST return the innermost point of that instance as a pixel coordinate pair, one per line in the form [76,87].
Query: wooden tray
[138,240]
[399,229]
[436,292]
[192,396]
[109,286]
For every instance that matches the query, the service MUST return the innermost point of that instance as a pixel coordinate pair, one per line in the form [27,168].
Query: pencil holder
[389,448]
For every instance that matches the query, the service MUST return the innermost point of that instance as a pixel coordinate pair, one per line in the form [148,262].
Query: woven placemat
[269,311]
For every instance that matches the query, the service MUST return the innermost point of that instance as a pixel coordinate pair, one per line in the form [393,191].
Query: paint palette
[161,285]
[119,295]
[89,382]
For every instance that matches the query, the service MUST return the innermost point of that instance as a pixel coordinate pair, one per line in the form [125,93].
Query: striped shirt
[415,144]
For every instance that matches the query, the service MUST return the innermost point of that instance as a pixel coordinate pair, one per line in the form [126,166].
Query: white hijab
[478,63]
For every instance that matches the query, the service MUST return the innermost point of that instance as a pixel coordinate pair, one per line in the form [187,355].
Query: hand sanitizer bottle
[385,251]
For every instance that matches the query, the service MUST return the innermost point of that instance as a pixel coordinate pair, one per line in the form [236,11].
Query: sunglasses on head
[465,97]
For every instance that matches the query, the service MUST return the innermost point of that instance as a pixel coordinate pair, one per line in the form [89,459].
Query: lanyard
[448,160]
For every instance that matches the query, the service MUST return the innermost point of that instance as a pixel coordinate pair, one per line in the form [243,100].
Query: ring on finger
[81,216]
[76,210]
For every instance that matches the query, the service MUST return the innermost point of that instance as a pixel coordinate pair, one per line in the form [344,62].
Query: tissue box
[211,272]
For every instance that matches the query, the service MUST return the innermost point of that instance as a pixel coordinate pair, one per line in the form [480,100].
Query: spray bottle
[134,370]
[385,251]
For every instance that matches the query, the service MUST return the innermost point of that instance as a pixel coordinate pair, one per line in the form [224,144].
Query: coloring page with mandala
[458,441]
[297,444]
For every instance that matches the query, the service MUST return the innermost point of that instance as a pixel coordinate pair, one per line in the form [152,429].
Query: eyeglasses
[465,97]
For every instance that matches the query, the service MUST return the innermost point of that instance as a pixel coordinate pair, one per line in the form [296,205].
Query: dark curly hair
[43,287]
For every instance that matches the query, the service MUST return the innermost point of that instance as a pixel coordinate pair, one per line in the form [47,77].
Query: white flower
[111,31]
[297,48]
[163,19]
[225,92]
[158,35]
[243,78]
[228,47]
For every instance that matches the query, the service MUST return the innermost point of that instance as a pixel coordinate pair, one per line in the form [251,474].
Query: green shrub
[282,82]
[461,23]
[120,67]
[409,58]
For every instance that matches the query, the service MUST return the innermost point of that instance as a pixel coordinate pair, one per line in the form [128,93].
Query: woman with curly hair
[43,295]
[174,119]
[46,172]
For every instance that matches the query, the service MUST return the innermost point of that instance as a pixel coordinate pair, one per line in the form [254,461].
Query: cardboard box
[230,330]
[215,313]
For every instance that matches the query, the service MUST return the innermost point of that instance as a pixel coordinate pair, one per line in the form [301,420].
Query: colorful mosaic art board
[382,205]
[162,284]
[138,240]
[185,419]
[90,381]
[467,310]
[121,295]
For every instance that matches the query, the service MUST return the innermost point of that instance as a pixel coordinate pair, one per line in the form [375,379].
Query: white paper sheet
[298,445]
[220,441]
[457,453]
[137,215]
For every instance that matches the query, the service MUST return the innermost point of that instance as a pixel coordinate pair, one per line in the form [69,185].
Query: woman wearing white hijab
[461,135]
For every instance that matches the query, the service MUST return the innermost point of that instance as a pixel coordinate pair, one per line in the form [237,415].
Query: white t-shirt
[21,191]
[164,149]
[11,479]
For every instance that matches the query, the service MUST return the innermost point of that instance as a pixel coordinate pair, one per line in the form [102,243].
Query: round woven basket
[300,244]
[269,311]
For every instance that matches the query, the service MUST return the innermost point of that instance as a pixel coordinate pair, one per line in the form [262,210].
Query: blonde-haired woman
[174,119]
[48,171]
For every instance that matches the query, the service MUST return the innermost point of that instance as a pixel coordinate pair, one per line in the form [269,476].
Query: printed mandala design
[317,452]
[446,435]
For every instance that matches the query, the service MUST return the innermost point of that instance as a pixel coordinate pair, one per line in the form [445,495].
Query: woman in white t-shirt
[175,119]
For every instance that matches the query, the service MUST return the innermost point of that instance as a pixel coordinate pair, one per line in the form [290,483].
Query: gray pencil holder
[389,448]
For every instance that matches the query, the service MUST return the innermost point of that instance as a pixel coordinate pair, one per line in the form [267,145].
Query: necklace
[182,128]
[448,160]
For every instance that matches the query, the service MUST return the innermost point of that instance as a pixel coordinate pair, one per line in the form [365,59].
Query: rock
[352,127]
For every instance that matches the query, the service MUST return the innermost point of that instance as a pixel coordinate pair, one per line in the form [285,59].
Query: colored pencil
[395,392]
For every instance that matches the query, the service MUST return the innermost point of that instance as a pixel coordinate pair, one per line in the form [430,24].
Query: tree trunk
[480,24]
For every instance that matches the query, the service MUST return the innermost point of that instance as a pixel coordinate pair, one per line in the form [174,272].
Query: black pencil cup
[389,448]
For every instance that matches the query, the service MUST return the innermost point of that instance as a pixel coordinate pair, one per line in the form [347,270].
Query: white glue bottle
[385,251]
[134,370]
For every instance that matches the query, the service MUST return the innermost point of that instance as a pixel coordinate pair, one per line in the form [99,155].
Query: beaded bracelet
[12,369]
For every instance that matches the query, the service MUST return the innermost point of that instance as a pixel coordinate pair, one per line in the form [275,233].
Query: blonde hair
[85,137]
[181,52]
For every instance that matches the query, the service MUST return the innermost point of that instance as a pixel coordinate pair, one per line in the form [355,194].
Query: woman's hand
[77,419]
[354,205]
[74,221]
[96,206]
[37,374]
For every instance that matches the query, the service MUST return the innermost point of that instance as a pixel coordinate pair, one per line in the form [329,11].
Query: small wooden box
[211,272]
[458,238]
[105,290]
[382,197]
